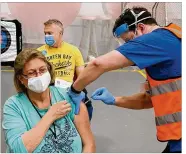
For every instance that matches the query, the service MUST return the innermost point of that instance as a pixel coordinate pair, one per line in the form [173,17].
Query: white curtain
[87,25]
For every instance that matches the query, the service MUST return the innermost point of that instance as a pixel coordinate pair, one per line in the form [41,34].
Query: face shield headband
[125,27]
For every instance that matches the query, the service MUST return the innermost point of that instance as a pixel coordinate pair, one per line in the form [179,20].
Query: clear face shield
[119,40]
[125,27]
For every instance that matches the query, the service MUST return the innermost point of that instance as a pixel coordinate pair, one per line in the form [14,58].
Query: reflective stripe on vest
[168,119]
[165,88]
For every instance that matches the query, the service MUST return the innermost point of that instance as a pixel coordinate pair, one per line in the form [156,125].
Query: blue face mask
[49,39]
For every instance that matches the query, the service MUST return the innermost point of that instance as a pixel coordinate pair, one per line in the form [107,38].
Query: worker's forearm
[110,61]
[137,101]
[79,70]
[33,137]
[88,75]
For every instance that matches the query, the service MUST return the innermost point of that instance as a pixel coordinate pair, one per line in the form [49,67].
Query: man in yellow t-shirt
[66,58]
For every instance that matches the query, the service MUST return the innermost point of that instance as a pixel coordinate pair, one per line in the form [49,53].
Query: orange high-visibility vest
[166,100]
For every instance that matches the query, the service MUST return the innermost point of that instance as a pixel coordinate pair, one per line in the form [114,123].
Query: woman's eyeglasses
[34,73]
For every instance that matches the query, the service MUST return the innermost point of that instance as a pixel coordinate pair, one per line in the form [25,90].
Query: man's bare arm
[79,70]
[136,102]
[110,61]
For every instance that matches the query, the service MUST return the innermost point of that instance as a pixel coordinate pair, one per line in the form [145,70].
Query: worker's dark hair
[128,17]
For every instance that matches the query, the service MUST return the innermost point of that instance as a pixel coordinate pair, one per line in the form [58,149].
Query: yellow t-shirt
[64,59]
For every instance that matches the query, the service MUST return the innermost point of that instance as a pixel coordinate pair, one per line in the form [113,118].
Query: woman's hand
[59,110]
[34,136]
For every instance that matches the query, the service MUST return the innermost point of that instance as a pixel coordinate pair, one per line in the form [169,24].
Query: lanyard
[53,132]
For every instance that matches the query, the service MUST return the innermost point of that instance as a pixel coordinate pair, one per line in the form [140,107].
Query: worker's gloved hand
[104,95]
[76,98]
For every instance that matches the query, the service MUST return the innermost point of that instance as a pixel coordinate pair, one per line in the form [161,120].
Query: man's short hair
[128,18]
[54,21]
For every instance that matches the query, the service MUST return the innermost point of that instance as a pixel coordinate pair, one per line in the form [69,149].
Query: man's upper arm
[113,60]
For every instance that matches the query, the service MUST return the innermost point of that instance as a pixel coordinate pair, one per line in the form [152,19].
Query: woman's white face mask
[39,84]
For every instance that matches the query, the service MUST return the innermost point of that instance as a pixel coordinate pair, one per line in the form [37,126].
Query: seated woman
[40,118]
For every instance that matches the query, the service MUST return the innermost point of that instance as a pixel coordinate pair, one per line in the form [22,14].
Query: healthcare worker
[155,49]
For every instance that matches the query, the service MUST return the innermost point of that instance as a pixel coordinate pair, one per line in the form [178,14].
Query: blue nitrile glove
[76,98]
[104,95]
